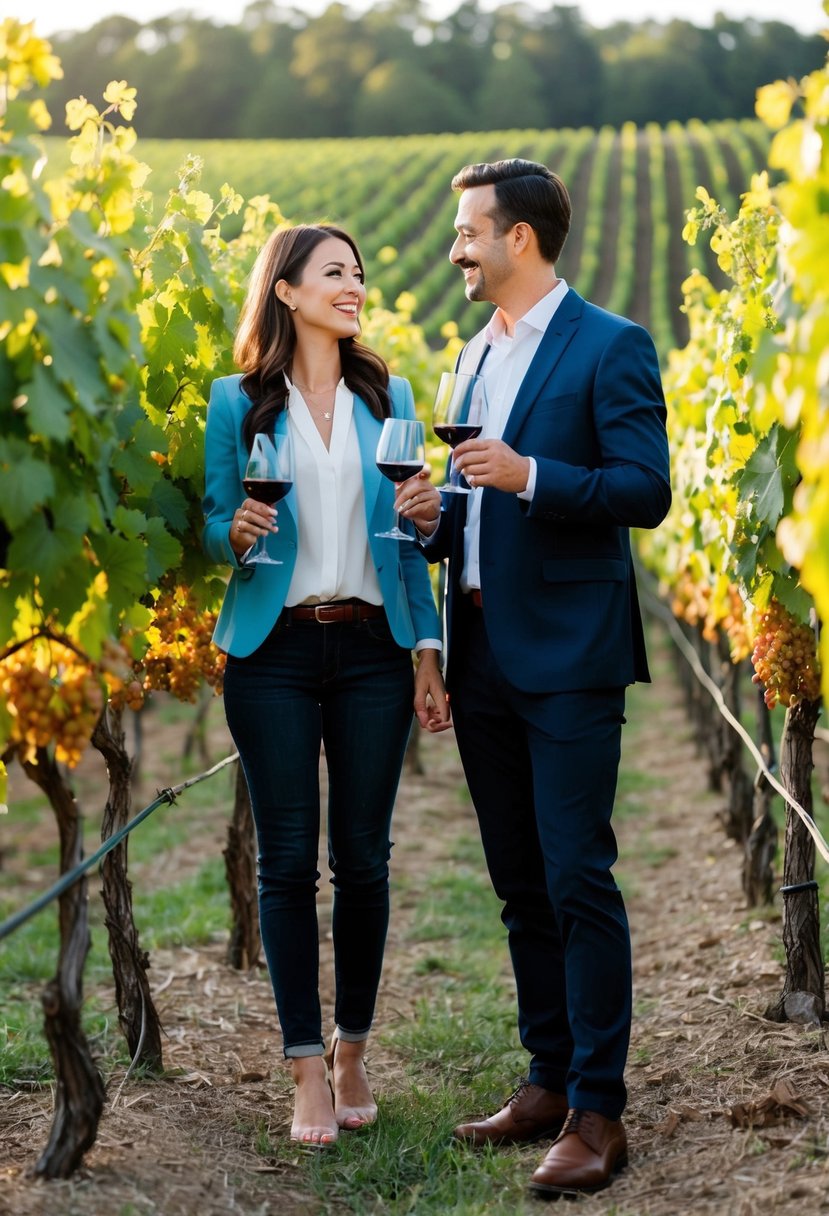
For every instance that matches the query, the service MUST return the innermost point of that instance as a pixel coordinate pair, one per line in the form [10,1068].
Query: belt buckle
[317,617]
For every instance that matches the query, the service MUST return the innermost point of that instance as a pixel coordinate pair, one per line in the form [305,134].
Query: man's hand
[431,702]
[418,500]
[491,462]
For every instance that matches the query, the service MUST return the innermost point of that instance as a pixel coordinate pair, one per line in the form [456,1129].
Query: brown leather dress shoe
[589,1151]
[530,1114]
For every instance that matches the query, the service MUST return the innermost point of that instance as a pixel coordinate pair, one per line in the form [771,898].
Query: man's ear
[523,237]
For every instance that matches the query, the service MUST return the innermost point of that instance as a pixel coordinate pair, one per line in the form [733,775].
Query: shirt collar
[538,317]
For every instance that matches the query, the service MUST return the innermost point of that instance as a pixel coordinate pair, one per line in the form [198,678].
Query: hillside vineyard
[630,190]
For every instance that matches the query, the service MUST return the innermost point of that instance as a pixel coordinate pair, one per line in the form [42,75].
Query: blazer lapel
[553,344]
[288,503]
[368,433]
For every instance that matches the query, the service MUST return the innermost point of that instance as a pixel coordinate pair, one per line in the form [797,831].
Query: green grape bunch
[785,658]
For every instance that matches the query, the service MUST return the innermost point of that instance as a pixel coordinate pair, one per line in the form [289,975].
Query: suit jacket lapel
[554,342]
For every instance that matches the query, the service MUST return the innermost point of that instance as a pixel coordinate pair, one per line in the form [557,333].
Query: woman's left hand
[431,702]
[418,500]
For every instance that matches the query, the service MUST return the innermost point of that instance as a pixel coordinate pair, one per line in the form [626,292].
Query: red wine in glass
[268,478]
[266,489]
[459,413]
[400,470]
[401,454]
[455,434]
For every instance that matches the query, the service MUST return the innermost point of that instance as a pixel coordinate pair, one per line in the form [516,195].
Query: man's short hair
[525,192]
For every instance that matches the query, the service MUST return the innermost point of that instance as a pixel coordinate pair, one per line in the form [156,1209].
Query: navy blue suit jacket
[559,595]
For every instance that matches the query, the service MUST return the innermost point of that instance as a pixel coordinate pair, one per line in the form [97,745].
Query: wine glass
[459,413]
[401,452]
[268,477]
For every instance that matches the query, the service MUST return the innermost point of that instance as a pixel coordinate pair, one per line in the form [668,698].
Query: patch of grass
[192,912]
[459,904]
[24,1052]
[408,1163]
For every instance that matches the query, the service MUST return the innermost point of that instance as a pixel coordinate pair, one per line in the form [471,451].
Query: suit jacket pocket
[584,570]
[551,405]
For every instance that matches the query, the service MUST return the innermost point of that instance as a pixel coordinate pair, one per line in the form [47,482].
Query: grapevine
[785,658]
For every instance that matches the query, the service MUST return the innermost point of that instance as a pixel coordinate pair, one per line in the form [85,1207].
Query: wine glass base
[262,559]
[394,534]
[454,489]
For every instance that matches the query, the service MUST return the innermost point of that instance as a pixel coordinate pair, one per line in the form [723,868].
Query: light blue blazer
[256,594]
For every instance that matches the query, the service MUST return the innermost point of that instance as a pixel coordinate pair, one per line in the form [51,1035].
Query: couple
[544,634]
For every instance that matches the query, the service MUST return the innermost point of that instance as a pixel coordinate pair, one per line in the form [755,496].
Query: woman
[319,648]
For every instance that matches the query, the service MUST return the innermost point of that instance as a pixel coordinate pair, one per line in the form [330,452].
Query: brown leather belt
[475,596]
[338,611]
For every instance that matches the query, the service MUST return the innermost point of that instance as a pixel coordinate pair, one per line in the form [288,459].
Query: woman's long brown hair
[266,337]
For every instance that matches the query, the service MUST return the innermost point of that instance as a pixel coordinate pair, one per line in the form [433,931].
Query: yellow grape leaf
[39,115]
[406,302]
[774,103]
[16,184]
[119,95]
[201,203]
[85,145]
[78,112]
[232,200]
[15,275]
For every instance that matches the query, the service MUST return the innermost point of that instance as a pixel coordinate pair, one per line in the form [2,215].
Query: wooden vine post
[803,997]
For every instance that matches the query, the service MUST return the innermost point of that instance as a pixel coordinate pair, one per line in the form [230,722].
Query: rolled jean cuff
[300,1050]
[352,1036]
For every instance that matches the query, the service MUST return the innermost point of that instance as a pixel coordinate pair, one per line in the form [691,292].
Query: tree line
[396,70]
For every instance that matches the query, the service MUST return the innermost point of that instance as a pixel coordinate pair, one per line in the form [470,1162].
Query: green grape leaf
[171,504]
[73,360]
[54,556]
[769,475]
[172,334]
[25,481]
[133,463]
[125,563]
[48,405]
[164,550]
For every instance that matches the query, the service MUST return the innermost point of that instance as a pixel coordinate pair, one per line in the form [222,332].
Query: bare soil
[728,1113]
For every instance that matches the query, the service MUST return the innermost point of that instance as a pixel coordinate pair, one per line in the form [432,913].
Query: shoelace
[571,1123]
[523,1085]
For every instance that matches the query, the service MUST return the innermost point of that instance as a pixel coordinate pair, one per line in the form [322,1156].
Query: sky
[52,15]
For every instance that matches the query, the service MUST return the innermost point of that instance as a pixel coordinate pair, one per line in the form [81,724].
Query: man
[544,633]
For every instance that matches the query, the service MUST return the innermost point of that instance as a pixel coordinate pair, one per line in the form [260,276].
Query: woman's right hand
[418,500]
[250,521]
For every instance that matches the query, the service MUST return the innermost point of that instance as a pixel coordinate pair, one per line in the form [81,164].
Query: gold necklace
[317,392]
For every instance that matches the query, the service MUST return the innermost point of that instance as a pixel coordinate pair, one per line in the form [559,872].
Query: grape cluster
[694,603]
[785,658]
[181,652]
[736,627]
[691,600]
[51,695]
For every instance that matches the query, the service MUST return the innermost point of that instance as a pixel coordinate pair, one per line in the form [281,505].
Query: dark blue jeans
[349,686]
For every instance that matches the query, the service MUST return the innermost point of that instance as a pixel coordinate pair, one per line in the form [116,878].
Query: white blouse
[333,556]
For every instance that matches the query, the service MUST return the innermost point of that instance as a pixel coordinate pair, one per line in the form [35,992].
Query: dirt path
[705,968]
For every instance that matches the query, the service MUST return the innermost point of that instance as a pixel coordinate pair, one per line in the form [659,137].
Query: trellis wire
[687,650]
[68,879]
